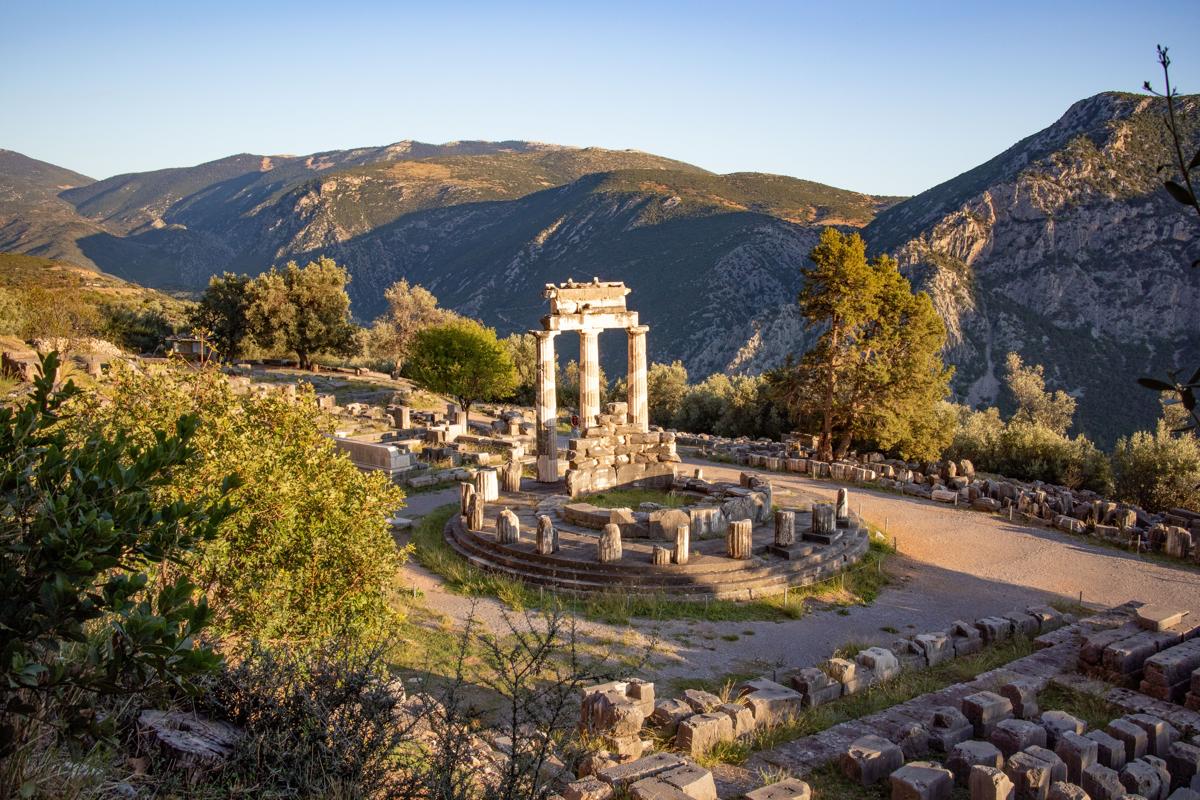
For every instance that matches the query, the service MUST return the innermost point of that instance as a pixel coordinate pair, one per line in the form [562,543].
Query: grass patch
[858,585]
[905,686]
[632,498]
[1092,709]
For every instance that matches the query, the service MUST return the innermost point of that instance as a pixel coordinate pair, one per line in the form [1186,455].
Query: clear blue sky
[887,97]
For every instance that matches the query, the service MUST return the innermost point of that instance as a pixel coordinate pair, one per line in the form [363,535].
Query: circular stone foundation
[709,572]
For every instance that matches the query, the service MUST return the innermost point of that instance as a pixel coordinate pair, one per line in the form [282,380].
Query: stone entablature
[587,308]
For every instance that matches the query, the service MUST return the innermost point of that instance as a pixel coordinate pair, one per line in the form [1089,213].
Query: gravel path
[953,564]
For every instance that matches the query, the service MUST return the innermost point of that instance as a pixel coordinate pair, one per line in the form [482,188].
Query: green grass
[1092,709]
[905,686]
[632,498]
[858,585]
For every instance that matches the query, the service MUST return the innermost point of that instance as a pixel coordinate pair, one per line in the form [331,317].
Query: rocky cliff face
[1066,249]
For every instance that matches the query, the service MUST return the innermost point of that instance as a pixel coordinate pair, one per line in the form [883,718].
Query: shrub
[308,551]
[1158,471]
[84,526]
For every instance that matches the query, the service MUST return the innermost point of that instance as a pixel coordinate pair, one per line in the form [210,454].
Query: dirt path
[953,564]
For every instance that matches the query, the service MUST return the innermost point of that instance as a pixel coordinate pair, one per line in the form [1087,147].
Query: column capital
[544,334]
[638,330]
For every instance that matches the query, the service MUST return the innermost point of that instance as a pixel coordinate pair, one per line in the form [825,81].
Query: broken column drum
[608,548]
[475,512]
[587,308]
[510,476]
[466,492]
[739,541]
[547,536]
[843,506]
[683,537]
[785,528]
[508,527]
[823,520]
[487,485]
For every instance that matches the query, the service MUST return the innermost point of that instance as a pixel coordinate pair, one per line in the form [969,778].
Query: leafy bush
[308,551]
[85,525]
[1158,471]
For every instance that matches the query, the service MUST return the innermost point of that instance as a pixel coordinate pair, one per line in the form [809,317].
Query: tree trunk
[825,447]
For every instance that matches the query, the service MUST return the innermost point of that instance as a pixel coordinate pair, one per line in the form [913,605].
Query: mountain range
[1063,248]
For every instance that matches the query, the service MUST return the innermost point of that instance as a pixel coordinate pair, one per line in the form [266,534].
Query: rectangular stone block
[871,759]
[622,776]
[1102,783]
[1077,752]
[698,734]
[774,706]
[1133,737]
[921,780]
[788,789]
[988,783]
[984,710]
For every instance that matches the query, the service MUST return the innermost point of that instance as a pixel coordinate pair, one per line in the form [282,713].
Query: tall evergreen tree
[875,373]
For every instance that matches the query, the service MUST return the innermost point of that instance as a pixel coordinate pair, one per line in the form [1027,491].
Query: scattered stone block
[935,647]
[1139,777]
[1109,750]
[1024,624]
[701,701]
[985,710]
[1102,783]
[621,776]
[921,780]
[1014,735]
[700,733]
[1184,762]
[774,706]
[1154,617]
[788,789]
[1066,791]
[1160,734]
[1077,752]
[1133,737]
[870,759]
[880,661]
[741,716]
[816,687]
[1022,693]
[1057,723]
[694,781]
[966,755]
[1031,776]
[947,728]
[589,788]
[1164,774]
[669,713]
[994,629]
[654,789]
[989,783]
[1058,770]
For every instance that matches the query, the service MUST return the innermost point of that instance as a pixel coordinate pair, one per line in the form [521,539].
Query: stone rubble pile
[1157,652]
[1041,757]
[1175,533]
[615,452]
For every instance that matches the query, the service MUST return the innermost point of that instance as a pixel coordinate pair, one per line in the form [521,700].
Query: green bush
[85,525]
[1158,471]
[308,551]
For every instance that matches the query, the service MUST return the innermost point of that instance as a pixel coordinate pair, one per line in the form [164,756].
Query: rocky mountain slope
[1063,247]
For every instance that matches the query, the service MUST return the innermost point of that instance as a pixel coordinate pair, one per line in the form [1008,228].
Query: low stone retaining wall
[613,453]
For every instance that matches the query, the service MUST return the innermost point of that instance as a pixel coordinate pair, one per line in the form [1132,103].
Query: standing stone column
[639,411]
[785,528]
[547,536]
[843,506]
[547,408]
[475,512]
[608,548]
[589,377]
[739,541]
[683,535]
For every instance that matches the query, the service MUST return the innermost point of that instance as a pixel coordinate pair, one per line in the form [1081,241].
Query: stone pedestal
[547,536]
[608,548]
[401,417]
[739,541]
[466,492]
[589,377]
[785,528]
[508,527]
[510,476]
[487,485]
[683,544]
[546,408]
[639,412]
[475,512]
